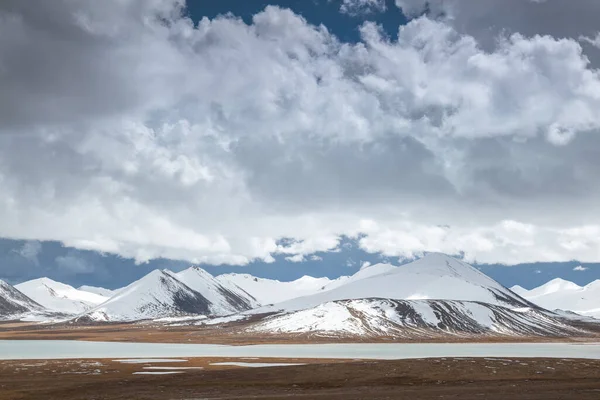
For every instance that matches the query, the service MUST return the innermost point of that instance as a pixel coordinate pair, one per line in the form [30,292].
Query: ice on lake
[66,349]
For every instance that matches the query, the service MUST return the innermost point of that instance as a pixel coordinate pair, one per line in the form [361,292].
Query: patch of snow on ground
[172,368]
[158,373]
[149,360]
[254,365]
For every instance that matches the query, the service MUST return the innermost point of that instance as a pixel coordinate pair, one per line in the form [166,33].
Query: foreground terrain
[465,378]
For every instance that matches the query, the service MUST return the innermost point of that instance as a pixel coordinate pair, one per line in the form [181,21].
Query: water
[62,349]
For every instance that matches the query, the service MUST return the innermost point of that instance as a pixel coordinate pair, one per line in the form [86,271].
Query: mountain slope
[565,295]
[97,290]
[225,296]
[13,303]
[157,295]
[269,291]
[366,318]
[435,276]
[56,296]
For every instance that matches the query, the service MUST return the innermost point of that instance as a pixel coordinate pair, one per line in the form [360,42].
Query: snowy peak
[439,265]
[560,294]
[13,302]
[97,290]
[59,297]
[553,286]
[269,291]
[520,290]
[435,276]
[158,294]
[225,297]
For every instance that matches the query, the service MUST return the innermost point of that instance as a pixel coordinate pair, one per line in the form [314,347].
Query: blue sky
[316,12]
[361,130]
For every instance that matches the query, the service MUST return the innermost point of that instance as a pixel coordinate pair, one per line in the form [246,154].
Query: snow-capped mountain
[162,294]
[224,296]
[564,295]
[98,290]
[269,291]
[414,319]
[435,276]
[13,303]
[158,294]
[58,297]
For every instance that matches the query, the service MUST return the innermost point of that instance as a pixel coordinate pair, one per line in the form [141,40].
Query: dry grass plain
[465,379]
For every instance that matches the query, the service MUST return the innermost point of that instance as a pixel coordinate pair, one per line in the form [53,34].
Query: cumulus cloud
[358,7]
[580,268]
[127,128]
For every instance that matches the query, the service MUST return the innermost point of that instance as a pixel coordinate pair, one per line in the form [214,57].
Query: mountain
[435,276]
[224,296]
[520,290]
[434,296]
[13,303]
[370,318]
[162,294]
[58,297]
[269,291]
[564,295]
[98,290]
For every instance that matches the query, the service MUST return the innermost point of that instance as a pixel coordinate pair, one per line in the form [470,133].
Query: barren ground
[465,379]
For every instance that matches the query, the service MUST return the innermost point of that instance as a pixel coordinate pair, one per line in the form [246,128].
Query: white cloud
[29,251]
[73,265]
[209,143]
[594,41]
[580,268]
[358,7]
[296,258]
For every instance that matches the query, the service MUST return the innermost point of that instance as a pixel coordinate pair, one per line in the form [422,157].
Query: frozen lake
[61,349]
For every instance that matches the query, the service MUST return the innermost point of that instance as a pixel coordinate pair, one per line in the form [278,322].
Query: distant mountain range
[431,297]
[564,295]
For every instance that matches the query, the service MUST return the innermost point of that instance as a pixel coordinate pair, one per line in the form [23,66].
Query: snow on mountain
[564,295]
[13,303]
[413,319]
[98,290]
[225,296]
[435,276]
[58,297]
[269,291]
[520,290]
[157,295]
[162,294]
[553,286]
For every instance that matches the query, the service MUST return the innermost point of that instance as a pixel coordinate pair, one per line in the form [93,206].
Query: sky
[298,137]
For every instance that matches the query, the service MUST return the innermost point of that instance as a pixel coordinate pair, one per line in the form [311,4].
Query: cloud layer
[127,128]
